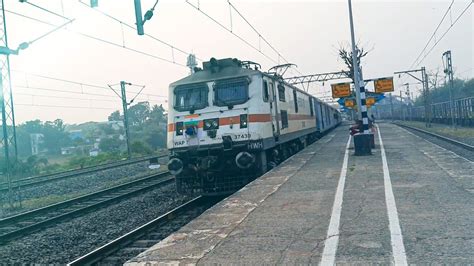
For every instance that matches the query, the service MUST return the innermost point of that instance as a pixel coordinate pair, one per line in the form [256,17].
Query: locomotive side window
[284,119]
[231,92]
[281,93]
[265,91]
[191,97]
[311,111]
[295,98]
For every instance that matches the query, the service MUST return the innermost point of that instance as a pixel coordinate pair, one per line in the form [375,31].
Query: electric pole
[448,70]
[426,92]
[402,117]
[8,139]
[125,116]
[123,97]
[362,142]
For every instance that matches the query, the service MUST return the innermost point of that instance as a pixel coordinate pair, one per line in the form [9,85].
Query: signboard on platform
[370,101]
[340,90]
[383,85]
[349,103]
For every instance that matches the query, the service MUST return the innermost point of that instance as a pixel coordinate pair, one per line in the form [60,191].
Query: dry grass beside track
[463,134]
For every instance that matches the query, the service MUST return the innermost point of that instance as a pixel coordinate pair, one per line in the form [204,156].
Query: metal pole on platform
[358,79]
[362,142]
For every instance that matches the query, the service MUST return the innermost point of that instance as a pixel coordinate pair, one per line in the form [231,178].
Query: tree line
[147,135]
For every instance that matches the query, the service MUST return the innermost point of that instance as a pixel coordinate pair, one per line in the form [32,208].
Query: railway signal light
[94,3]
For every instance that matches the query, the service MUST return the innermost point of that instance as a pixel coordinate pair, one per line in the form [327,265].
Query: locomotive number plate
[255,145]
[242,136]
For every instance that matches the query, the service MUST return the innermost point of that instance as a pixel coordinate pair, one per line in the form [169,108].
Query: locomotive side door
[274,110]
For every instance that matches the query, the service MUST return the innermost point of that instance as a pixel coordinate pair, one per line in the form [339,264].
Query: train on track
[463,112]
[229,122]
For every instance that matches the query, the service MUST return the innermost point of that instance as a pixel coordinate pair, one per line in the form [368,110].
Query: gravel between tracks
[71,239]
[63,189]
[447,145]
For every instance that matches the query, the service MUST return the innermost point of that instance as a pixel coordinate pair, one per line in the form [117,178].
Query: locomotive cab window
[231,92]
[311,110]
[281,93]
[191,97]
[265,91]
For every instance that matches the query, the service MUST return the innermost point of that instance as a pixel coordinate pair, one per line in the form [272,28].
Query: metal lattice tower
[8,133]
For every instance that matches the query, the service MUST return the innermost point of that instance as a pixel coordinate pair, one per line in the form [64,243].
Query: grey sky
[306,33]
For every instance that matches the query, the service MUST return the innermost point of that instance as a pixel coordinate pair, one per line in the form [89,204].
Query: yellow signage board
[340,90]
[349,103]
[370,101]
[383,85]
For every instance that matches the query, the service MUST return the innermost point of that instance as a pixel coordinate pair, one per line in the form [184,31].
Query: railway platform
[410,202]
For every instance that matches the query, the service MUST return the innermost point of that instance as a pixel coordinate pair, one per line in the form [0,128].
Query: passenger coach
[229,122]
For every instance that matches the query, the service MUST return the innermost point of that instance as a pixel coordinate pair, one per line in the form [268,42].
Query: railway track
[140,239]
[38,180]
[28,222]
[452,141]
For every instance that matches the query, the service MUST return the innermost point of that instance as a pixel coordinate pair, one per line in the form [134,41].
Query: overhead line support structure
[8,140]
[317,78]
[426,91]
[448,70]
[123,97]
[125,116]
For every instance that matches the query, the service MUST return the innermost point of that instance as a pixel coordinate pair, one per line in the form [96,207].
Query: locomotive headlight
[179,128]
[211,124]
[243,121]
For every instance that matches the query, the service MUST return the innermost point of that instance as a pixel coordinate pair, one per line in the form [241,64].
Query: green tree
[115,116]
[55,136]
[112,144]
[157,115]
[140,148]
[138,114]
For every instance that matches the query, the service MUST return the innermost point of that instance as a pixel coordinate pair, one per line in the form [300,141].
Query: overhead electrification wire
[123,23]
[66,98]
[119,45]
[259,34]
[444,34]
[66,106]
[434,33]
[46,10]
[60,97]
[82,84]
[142,97]
[231,32]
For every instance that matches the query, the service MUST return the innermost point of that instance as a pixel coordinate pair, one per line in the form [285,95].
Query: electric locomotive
[229,122]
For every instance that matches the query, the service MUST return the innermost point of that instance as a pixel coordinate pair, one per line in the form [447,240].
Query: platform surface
[323,206]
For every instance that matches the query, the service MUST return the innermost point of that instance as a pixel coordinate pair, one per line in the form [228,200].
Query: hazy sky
[306,33]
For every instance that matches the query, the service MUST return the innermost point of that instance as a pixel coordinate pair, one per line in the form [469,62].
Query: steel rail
[121,243]
[28,222]
[41,179]
[452,141]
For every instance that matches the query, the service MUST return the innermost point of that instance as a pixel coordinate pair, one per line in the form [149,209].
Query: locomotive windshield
[231,92]
[191,97]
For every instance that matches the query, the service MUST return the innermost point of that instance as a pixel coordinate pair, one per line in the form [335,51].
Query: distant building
[68,150]
[36,140]
[94,152]
[76,134]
